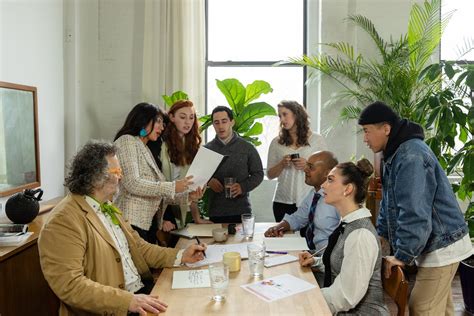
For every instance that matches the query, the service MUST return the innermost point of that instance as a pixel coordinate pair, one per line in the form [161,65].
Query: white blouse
[291,187]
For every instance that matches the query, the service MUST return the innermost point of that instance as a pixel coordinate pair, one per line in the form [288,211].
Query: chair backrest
[396,287]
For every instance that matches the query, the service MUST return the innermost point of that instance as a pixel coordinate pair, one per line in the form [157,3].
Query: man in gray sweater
[242,162]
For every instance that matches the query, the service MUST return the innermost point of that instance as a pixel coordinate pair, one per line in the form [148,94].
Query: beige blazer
[143,185]
[80,261]
[167,168]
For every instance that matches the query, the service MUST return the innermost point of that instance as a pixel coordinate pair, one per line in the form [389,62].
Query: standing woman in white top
[287,157]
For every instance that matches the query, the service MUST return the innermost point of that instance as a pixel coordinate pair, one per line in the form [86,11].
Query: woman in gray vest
[352,260]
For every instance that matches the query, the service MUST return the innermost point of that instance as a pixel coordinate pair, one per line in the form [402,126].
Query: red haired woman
[181,141]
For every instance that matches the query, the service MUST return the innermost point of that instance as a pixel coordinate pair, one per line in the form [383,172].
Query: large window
[244,39]
[459,29]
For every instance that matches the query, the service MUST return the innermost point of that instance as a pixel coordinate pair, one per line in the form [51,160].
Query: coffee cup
[219,234]
[232,259]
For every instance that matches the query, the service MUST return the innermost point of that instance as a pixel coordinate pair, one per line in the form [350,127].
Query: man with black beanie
[419,214]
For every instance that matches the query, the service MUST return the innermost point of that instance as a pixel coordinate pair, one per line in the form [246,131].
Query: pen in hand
[197,239]
[277,252]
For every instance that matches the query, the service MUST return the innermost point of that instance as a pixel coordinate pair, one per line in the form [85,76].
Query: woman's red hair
[182,150]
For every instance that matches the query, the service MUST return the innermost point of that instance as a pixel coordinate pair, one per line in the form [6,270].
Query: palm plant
[435,96]
[394,75]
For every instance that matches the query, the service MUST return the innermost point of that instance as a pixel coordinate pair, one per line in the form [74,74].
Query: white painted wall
[31,53]
[390,18]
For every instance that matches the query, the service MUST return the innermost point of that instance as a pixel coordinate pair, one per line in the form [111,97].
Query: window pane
[458,30]
[254,30]
[287,84]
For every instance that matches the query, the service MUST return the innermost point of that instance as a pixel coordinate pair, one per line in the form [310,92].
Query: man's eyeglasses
[115,171]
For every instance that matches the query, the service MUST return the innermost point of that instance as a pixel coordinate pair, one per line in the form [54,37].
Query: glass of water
[248,225]
[219,275]
[256,260]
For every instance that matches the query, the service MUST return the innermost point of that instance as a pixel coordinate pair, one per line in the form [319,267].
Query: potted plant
[241,99]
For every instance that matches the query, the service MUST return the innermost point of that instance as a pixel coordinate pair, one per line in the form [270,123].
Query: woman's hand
[286,161]
[195,195]
[201,220]
[183,184]
[299,163]
[168,226]
[306,259]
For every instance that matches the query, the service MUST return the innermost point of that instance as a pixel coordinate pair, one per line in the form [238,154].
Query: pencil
[197,239]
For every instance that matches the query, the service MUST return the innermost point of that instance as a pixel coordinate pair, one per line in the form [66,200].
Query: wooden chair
[396,287]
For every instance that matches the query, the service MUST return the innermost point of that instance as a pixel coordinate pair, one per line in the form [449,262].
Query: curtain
[174,50]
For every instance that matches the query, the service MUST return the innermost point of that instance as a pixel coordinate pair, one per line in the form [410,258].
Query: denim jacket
[419,212]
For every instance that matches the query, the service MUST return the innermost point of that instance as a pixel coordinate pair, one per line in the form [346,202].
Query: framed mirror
[19,146]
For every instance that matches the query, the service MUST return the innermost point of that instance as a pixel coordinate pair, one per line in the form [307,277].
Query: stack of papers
[278,287]
[285,244]
[10,241]
[277,260]
[201,230]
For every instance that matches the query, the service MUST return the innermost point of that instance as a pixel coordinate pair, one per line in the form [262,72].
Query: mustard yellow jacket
[80,261]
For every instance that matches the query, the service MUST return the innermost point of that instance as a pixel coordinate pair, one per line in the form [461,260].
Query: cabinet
[23,289]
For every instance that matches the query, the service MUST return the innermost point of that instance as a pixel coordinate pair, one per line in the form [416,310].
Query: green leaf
[255,130]
[206,121]
[234,92]
[256,89]
[463,134]
[468,167]
[251,112]
[470,80]
[453,163]
[176,96]
[448,69]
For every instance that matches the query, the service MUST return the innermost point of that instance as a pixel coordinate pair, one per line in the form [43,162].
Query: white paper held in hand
[203,167]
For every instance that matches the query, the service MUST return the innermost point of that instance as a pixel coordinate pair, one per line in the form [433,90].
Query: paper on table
[190,279]
[202,230]
[285,243]
[277,260]
[278,287]
[203,167]
[214,253]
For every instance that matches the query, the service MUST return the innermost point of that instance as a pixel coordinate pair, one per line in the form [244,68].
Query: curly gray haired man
[92,259]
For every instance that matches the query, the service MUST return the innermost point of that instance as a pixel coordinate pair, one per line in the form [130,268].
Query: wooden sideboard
[23,289]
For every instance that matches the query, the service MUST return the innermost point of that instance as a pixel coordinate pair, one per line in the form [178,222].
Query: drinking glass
[228,183]
[248,225]
[256,254]
[219,275]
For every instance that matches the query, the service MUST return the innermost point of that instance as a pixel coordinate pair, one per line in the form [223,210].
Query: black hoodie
[402,130]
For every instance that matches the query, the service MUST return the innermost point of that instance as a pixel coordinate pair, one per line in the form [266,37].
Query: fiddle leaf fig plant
[173,98]
[240,99]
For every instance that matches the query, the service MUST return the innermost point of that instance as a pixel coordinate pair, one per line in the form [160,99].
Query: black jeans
[280,209]
[150,234]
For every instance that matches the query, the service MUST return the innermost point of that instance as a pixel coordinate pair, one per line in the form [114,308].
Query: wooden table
[239,301]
